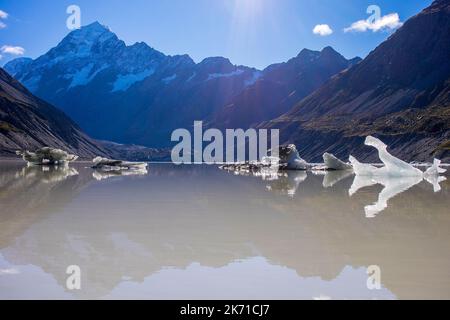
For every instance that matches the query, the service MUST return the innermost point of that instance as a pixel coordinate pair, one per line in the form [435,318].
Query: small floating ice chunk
[435,169]
[47,156]
[432,175]
[290,158]
[333,163]
[117,165]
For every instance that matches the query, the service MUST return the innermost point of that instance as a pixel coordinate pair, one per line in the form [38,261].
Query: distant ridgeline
[320,101]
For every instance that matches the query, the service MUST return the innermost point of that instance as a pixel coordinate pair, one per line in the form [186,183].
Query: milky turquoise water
[196,232]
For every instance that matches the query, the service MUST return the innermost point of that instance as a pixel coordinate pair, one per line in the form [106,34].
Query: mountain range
[320,100]
[136,94]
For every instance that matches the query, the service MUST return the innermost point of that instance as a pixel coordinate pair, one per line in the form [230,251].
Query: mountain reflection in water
[199,232]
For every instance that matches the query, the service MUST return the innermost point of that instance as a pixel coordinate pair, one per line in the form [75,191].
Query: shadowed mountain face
[280,86]
[400,92]
[27,122]
[137,95]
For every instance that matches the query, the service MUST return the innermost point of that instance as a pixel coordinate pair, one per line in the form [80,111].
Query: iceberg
[290,158]
[396,176]
[392,166]
[432,175]
[47,156]
[106,164]
[266,170]
[333,163]
[435,169]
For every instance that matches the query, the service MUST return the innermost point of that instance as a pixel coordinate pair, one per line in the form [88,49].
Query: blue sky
[255,33]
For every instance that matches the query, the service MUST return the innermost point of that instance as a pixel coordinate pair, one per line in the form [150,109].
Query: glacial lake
[197,232]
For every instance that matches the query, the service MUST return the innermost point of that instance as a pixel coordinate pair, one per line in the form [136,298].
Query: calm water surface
[196,232]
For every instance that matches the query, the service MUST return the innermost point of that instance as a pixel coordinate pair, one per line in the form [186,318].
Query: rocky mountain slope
[399,93]
[27,122]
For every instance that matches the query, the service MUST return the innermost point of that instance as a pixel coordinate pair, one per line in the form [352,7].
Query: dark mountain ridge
[280,86]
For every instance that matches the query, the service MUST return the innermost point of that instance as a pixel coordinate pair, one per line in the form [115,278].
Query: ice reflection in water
[106,174]
[47,174]
[333,177]
[392,187]
[287,182]
[184,232]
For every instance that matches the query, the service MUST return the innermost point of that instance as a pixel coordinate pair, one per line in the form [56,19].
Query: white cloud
[1,57]
[390,21]
[18,51]
[322,30]
[3,14]
[8,271]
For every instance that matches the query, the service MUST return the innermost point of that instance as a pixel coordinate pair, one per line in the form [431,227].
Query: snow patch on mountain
[191,77]
[84,76]
[124,82]
[255,77]
[169,79]
[224,75]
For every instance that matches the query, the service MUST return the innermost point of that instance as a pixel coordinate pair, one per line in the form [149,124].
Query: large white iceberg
[393,167]
[47,156]
[396,176]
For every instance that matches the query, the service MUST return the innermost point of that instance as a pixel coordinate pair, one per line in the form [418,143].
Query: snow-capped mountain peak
[90,39]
